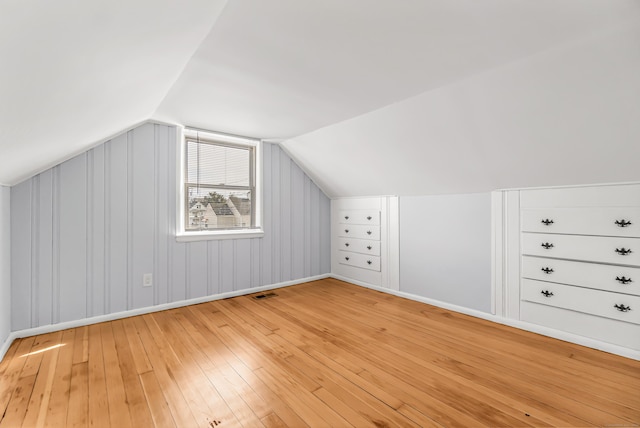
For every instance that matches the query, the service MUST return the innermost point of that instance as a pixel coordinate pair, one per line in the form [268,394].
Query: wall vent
[264,296]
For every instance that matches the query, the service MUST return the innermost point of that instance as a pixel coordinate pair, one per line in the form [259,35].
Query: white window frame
[181,234]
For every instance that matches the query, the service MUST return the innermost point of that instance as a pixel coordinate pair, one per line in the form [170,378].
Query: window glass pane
[211,209]
[210,164]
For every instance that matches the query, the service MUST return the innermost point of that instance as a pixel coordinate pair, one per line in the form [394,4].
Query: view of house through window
[219,185]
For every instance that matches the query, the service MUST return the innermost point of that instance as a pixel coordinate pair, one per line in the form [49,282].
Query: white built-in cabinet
[568,259]
[365,240]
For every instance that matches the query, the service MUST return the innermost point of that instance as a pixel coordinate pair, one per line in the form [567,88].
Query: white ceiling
[75,72]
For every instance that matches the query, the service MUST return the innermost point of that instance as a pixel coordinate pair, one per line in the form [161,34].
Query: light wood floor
[325,353]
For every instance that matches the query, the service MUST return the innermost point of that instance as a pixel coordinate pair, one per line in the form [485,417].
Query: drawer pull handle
[346,217]
[622,251]
[547,270]
[369,262]
[622,308]
[623,223]
[546,293]
[346,258]
[346,244]
[369,232]
[547,245]
[623,280]
[369,217]
[369,247]
[547,222]
[346,231]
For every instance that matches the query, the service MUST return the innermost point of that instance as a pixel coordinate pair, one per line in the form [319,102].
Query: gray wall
[445,248]
[85,232]
[5,264]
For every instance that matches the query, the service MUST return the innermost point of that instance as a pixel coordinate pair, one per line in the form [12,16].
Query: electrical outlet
[147,280]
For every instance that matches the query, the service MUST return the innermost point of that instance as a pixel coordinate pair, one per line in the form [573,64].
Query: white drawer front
[622,221]
[624,195]
[364,246]
[617,306]
[359,217]
[619,279]
[359,260]
[359,231]
[625,251]
[604,329]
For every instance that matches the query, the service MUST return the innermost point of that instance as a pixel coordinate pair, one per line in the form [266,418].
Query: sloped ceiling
[566,116]
[77,72]
[74,72]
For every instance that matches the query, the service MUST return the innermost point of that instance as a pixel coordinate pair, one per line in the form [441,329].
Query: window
[220,186]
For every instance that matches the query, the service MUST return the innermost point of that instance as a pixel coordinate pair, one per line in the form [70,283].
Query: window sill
[220,234]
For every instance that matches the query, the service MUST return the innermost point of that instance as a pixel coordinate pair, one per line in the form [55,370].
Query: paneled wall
[445,247]
[5,266]
[85,232]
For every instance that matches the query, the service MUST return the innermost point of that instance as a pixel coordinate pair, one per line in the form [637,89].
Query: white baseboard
[545,331]
[141,311]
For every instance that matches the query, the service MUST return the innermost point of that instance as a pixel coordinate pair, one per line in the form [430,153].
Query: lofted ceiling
[77,72]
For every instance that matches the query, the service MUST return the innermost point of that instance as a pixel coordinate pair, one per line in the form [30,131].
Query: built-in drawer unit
[363,246]
[363,261]
[622,307]
[365,240]
[619,279]
[601,249]
[613,221]
[579,252]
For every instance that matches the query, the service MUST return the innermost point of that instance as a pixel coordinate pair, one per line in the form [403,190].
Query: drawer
[359,217]
[619,279]
[595,302]
[359,260]
[363,246]
[603,329]
[359,231]
[621,195]
[624,251]
[618,221]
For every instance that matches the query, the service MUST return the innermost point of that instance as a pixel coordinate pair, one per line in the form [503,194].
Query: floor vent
[264,296]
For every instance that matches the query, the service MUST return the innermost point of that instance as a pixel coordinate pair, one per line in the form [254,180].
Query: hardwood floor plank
[324,353]
[41,392]
[138,350]
[418,417]
[12,373]
[158,405]
[37,351]
[98,401]
[81,345]
[59,402]
[78,411]
[173,393]
[8,358]
[138,406]
[119,413]
[17,407]
[272,420]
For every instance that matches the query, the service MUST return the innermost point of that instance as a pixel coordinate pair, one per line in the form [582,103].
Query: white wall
[564,116]
[5,266]
[85,232]
[445,248]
